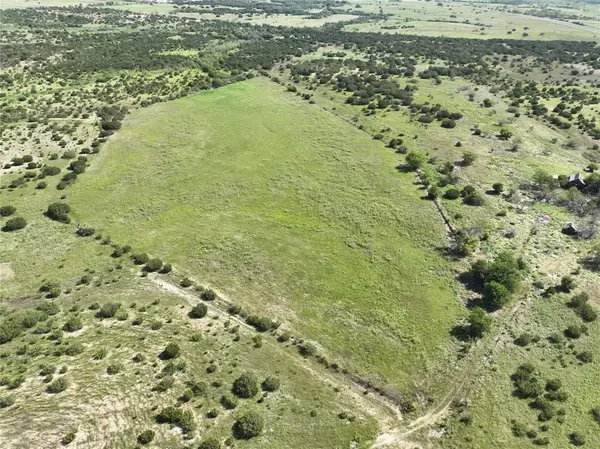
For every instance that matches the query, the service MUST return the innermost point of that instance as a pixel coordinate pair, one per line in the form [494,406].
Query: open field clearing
[478,20]
[299,224]
[288,210]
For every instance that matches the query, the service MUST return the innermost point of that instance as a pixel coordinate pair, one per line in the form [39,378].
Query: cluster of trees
[498,279]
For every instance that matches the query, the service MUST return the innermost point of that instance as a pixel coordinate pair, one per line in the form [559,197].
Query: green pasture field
[288,210]
[486,21]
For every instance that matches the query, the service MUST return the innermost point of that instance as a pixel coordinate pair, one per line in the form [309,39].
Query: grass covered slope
[289,210]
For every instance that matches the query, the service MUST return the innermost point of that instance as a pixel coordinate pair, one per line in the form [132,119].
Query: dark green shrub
[14,224]
[50,170]
[553,385]
[575,330]
[58,386]
[271,383]
[186,282]
[248,426]
[146,437]
[6,401]
[245,386]
[167,268]
[108,310]
[261,324]
[59,212]
[171,351]
[140,259]
[415,160]
[73,324]
[474,199]
[498,188]
[596,414]
[587,313]
[83,231]
[525,382]
[524,339]
[153,265]
[585,356]
[495,295]
[184,419]
[114,368]
[468,158]
[198,311]
[41,185]
[307,349]
[49,308]
[7,211]
[211,443]
[479,322]
[68,438]
[451,194]
[209,295]
[577,439]
[74,349]
[518,429]
[567,283]
[229,402]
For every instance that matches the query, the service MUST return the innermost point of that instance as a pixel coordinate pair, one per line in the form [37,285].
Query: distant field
[292,212]
[485,20]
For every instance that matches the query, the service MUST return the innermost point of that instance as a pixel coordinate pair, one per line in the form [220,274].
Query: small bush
[6,401]
[245,386]
[14,224]
[577,439]
[248,426]
[261,324]
[166,383]
[59,385]
[114,368]
[451,194]
[59,212]
[68,438]
[73,324]
[146,437]
[209,295]
[186,282]
[171,351]
[229,402]
[211,443]
[198,311]
[153,265]
[140,259]
[307,349]
[108,310]
[7,211]
[596,414]
[575,331]
[167,268]
[271,383]
[83,231]
[184,419]
[585,356]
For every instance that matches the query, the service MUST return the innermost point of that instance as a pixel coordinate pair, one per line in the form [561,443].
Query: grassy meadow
[289,211]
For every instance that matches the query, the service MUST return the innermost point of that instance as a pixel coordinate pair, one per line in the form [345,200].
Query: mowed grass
[290,211]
